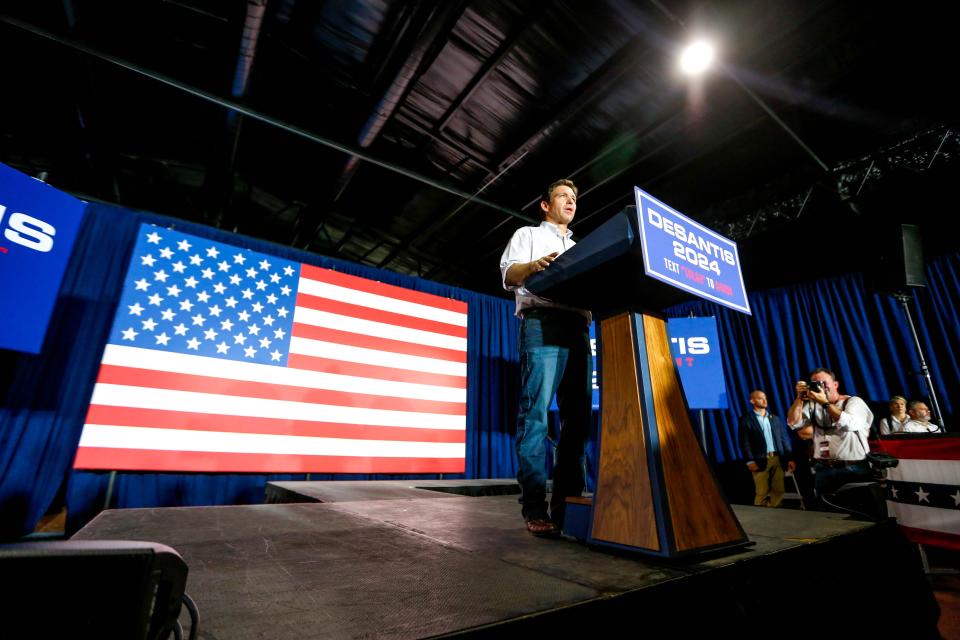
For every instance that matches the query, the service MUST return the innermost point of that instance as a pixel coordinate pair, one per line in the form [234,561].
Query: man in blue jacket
[766,447]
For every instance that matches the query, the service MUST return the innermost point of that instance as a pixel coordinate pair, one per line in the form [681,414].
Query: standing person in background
[766,447]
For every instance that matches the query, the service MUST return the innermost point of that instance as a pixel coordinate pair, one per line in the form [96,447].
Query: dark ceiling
[416,136]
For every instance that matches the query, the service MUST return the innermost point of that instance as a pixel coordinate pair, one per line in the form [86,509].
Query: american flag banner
[923,491]
[223,359]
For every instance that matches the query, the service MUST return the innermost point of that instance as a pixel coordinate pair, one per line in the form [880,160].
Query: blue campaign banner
[688,255]
[695,346]
[38,226]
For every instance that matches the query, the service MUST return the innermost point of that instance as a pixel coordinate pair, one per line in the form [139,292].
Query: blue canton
[191,295]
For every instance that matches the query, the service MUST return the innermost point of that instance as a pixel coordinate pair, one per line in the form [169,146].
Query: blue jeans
[554,358]
[828,479]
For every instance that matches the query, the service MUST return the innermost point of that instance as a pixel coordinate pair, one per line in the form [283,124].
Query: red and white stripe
[376,383]
[935,461]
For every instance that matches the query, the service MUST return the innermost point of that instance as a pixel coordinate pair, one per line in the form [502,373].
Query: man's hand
[518,273]
[820,397]
[791,466]
[801,389]
[753,466]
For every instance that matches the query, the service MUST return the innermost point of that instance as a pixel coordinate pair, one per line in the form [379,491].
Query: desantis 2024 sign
[38,225]
[688,255]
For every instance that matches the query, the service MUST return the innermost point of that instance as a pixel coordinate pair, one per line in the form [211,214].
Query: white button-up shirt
[527,245]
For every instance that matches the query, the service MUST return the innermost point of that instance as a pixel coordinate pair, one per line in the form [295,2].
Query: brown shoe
[542,528]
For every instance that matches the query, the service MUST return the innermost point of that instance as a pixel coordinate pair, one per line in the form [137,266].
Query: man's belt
[837,464]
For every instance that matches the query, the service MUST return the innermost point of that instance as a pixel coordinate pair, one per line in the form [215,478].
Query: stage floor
[417,563]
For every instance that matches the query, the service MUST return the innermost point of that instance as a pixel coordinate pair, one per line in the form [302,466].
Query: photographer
[838,425]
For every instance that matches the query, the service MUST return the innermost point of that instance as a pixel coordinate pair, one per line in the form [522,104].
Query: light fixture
[697,57]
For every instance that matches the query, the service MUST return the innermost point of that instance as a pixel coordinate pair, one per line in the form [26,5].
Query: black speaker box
[90,589]
[895,258]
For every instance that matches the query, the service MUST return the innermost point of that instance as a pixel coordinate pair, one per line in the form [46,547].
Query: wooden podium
[655,491]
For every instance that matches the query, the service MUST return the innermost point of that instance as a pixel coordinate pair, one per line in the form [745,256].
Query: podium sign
[38,226]
[695,346]
[684,253]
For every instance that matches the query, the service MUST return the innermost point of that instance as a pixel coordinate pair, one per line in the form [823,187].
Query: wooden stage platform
[393,560]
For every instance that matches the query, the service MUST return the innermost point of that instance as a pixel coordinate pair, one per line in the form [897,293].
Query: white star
[219,288]
[203,296]
[147,260]
[186,305]
[160,275]
[174,291]
[212,252]
[234,279]
[893,492]
[224,266]
[253,330]
[130,334]
[214,310]
[239,338]
[196,260]
[180,329]
[282,312]
[226,325]
[210,334]
[275,356]
[243,316]
[238,258]
[207,273]
[231,302]
[264,265]
[191,282]
[249,352]
[272,299]
[274,278]
[155,299]
[265,342]
[288,270]
[148,324]
[268,320]
[135,308]
[247,294]
[922,496]
[956,498]
[153,238]
[179,267]
[279,333]
[285,290]
[184,245]
[222,347]
[142,284]
[193,343]
[163,339]
[166,253]
[261,285]
[198,320]
[257,307]
[168,314]
[251,273]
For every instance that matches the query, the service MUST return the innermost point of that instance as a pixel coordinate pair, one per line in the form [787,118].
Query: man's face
[829,385]
[759,400]
[920,412]
[562,206]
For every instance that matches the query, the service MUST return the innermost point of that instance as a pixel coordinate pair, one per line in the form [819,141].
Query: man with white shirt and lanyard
[919,421]
[555,357]
[838,425]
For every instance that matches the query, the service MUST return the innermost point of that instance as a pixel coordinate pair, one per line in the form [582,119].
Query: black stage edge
[415,566]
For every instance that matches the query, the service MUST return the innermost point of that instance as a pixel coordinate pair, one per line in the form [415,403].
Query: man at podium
[555,357]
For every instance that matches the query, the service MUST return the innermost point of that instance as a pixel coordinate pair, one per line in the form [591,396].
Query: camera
[815,385]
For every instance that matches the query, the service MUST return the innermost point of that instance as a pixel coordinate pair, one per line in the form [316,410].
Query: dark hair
[548,194]
[822,370]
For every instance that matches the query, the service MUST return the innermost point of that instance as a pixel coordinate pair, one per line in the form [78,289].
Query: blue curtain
[836,323]
[44,397]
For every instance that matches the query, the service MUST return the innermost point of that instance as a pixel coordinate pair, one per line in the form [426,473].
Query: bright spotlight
[696,57]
